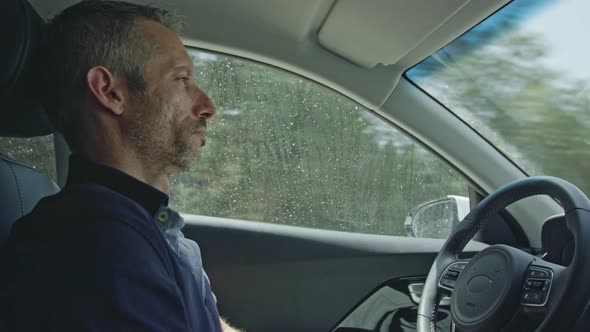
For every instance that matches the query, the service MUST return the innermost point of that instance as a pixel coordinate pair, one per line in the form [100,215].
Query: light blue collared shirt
[171,223]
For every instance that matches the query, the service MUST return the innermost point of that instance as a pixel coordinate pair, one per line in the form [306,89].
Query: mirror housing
[437,218]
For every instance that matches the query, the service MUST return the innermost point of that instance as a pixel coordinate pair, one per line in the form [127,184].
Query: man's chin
[186,161]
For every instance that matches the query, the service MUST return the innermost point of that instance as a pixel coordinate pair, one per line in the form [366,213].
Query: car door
[299,200]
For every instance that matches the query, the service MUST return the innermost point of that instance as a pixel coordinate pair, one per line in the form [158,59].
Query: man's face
[168,121]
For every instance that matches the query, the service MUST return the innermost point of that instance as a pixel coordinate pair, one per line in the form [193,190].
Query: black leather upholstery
[21,187]
[21,30]
[558,241]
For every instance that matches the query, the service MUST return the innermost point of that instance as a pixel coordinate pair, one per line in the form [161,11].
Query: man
[106,254]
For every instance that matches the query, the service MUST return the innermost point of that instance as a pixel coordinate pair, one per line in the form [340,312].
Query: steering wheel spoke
[449,277]
[536,286]
[540,293]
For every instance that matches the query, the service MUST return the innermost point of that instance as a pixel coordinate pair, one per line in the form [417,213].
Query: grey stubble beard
[150,133]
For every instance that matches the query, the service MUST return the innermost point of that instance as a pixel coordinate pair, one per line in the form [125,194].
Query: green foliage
[286,150]
[538,116]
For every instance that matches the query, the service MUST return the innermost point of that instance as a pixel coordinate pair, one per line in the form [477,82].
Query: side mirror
[436,219]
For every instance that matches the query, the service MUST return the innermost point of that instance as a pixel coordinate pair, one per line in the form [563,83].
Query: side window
[36,152]
[286,150]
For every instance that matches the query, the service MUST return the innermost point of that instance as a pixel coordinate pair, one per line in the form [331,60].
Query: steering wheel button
[460,266]
[533,298]
[534,284]
[538,274]
[448,282]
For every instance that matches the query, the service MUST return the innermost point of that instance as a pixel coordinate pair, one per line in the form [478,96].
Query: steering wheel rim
[571,291]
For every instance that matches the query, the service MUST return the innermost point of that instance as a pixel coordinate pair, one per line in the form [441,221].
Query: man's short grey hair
[89,34]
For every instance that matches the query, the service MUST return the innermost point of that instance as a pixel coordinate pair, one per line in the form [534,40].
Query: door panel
[270,277]
[393,308]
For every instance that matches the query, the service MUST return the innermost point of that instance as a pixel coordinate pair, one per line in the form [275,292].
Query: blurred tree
[539,117]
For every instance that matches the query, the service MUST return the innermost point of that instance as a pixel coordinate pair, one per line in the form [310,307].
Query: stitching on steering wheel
[434,312]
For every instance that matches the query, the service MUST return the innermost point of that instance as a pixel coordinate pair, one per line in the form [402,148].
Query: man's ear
[106,88]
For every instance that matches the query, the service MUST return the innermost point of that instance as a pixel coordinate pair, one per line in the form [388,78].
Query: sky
[565,27]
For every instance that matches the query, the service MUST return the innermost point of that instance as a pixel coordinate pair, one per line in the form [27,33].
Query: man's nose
[204,107]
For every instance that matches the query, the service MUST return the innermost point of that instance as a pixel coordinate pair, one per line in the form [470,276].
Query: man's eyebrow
[183,67]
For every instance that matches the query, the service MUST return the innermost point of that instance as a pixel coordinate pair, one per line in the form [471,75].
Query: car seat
[21,113]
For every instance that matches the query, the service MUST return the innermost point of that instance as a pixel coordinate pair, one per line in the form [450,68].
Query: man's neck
[146,171]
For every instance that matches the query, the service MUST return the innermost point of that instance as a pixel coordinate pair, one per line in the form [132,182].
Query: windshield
[521,79]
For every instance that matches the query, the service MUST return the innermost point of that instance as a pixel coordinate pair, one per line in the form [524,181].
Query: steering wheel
[503,288]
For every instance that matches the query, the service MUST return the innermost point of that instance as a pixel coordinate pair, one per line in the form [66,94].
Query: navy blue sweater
[91,258]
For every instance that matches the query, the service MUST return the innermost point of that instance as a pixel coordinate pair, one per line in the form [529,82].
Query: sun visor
[382,31]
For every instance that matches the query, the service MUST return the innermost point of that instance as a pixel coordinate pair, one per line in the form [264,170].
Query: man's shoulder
[90,223]
[91,201]
[77,209]
[86,214]
[64,265]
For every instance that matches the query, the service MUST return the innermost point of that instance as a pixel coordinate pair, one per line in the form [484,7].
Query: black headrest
[21,114]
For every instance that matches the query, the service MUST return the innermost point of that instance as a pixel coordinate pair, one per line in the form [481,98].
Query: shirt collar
[83,170]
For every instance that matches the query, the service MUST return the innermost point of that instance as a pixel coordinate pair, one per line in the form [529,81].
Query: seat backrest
[558,242]
[21,114]
[21,187]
